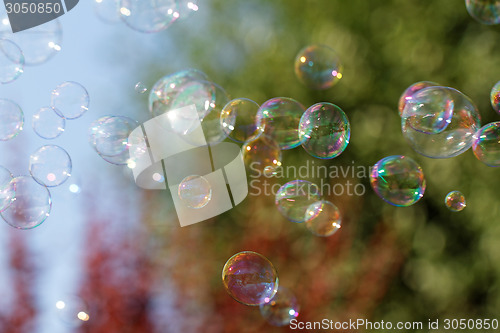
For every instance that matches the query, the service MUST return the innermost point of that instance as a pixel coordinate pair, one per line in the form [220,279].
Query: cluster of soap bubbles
[30,47]
[251,279]
[146,16]
[25,200]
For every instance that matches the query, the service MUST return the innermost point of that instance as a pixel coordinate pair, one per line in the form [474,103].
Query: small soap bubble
[7,191]
[38,44]
[294,198]
[107,11]
[280,118]
[410,91]
[439,135]
[239,120]
[484,11]
[318,67]
[50,165]
[323,218]
[148,16]
[455,201]
[186,8]
[31,206]
[140,87]
[324,130]
[398,180]
[486,144]
[195,191]
[281,309]
[70,100]
[495,97]
[47,124]
[11,119]
[250,278]
[72,310]
[11,61]
[261,154]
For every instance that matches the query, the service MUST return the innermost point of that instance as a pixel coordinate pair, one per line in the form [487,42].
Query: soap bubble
[451,141]
[11,61]
[72,310]
[38,44]
[171,87]
[495,97]
[486,144]
[239,119]
[148,15]
[429,110]
[318,67]
[140,88]
[186,8]
[294,198]
[195,191]
[484,11]
[280,118]
[398,180]
[7,191]
[455,201]
[109,134]
[323,218]
[250,278]
[31,206]
[70,100]
[47,124]
[107,11]
[50,165]
[11,119]
[261,154]
[408,93]
[281,309]
[324,130]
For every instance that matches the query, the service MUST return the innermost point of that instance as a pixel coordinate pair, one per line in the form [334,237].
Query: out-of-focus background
[118,252]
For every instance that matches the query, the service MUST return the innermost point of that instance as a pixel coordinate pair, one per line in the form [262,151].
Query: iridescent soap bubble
[454,139]
[50,165]
[11,61]
[107,11]
[455,201]
[294,198]
[195,191]
[11,119]
[484,11]
[70,100]
[7,191]
[239,119]
[280,118]
[486,144]
[148,15]
[140,87]
[324,130]
[261,154]
[171,87]
[38,44]
[281,309]
[408,93]
[250,278]
[72,310]
[323,218]
[318,67]
[31,206]
[398,180]
[495,97]
[429,110]
[47,124]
